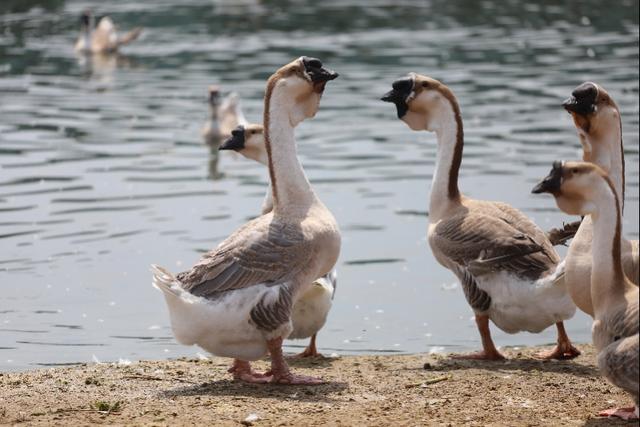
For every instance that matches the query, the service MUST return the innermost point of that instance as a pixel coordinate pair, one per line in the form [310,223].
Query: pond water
[103,170]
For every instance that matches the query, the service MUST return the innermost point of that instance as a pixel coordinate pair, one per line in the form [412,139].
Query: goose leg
[564,350]
[280,370]
[241,370]
[310,351]
[489,350]
[630,413]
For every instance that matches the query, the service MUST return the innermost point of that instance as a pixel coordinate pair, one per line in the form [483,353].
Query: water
[103,172]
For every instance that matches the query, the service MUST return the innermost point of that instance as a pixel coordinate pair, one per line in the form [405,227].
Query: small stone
[427,366]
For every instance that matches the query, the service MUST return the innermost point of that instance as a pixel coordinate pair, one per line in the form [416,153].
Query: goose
[582,188]
[508,269]
[310,312]
[102,39]
[597,121]
[237,300]
[224,116]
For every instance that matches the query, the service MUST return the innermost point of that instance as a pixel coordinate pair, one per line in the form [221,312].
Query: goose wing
[619,362]
[262,251]
[485,242]
[104,37]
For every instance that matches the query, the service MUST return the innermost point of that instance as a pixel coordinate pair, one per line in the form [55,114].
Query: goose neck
[607,277]
[444,186]
[291,190]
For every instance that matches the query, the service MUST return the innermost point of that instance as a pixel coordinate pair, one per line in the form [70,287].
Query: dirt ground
[360,390]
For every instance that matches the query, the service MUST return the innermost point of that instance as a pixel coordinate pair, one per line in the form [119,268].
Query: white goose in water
[224,116]
[508,269]
[311,310]
[103,38]
[597,120]
[585,189]
[237,300]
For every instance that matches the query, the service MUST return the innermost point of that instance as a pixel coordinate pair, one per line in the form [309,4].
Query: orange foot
[293,379]
[480,355]
[308,352]
[624,413]
[560,352]
[242,371]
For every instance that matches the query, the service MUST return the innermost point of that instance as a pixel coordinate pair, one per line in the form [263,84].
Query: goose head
[422,102]
[86,21]
[302,81]
[594,112]
[214,95]
[249,141]
[575,185]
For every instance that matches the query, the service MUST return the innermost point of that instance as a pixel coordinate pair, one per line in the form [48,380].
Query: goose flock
[275,277]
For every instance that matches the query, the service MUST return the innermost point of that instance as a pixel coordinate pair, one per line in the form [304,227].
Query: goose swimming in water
[585,189]
[311,310]
[225,115]
[597,120]
[103,38]
[237,300]
[508,269]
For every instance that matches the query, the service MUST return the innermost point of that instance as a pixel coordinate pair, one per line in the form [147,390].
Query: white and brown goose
[508,269]
[238,299]
[225,114]
[103,38]
[582,188]
[598,122]
[311,310]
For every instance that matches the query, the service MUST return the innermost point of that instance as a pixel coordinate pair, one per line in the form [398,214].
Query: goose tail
[130,36]
[165,281]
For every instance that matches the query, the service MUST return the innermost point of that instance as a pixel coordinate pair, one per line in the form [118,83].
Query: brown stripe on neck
[618,273]
[453,192]
[271,83]
[622,159]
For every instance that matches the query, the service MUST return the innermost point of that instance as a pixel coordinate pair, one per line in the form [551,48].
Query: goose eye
[425,85]
[575,171]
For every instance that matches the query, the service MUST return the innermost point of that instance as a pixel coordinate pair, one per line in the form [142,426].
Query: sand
[360,390]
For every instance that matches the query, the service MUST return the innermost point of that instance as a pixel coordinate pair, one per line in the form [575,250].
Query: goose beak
[235,142]
[402,88]
[552,182]
[582,99]
[318,74]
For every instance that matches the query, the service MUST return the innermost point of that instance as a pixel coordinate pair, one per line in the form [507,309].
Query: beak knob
[552,182]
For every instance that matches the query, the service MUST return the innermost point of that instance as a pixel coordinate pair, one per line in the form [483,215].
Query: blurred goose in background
[225,115]
[311,310]
[238,299]
[103,38]
[597,120]
[508,268]
[582,188]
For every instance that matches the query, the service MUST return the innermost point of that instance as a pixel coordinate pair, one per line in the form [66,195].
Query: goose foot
[564,350]
[280,370]
[624,413]
[480,355]
[310,351]
[241,370]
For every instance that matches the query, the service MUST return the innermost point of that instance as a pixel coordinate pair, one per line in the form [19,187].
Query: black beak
[235,141]
[315,70]
[553,181]
[398,95]
[582,99]
[85,18]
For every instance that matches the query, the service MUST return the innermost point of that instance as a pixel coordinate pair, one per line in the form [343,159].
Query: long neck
[607,277]
[606,151]
[444,187]
[291,189]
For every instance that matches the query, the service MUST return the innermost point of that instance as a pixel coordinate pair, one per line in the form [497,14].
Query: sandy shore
[361,390]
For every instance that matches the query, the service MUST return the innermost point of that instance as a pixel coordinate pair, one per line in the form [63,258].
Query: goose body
[225,114]
[255,276]
[508,269]
[597,120]
[310,312]
[104,37]
[585,189]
